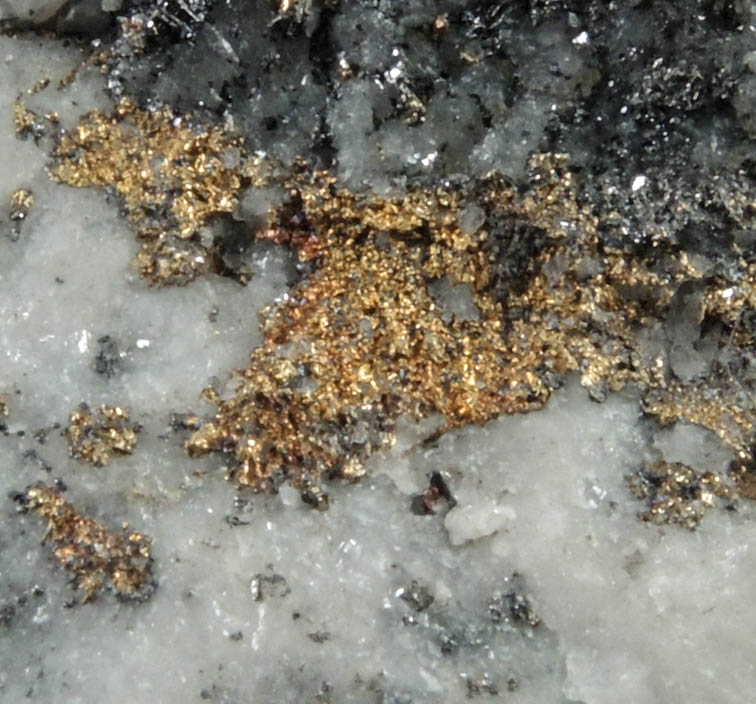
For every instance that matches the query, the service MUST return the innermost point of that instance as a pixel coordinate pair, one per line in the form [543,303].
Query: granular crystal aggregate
[94,436]
[171,174]
[678,494]
[97,556]
[362,340]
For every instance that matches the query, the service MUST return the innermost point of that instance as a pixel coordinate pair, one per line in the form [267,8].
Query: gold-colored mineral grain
[98,556]
[678,494]
[21,201]
[24,120]
[94,437]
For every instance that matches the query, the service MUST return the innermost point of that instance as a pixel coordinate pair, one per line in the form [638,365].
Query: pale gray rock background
[629,612]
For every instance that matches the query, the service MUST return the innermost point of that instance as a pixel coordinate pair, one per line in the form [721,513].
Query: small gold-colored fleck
[210,395]
[93,437]
[678,494]
[39,86]
[21,201]
[744,476]
[440,25]
[296,9]
[25,121]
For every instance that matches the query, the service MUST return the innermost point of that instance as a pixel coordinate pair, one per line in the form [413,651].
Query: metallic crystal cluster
[24,120]
[678,494]
[98,556]
[94,436]
[362,341]
[171,174]
[21,201]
